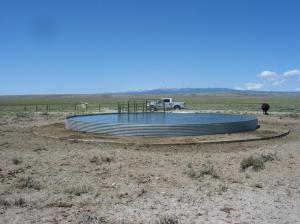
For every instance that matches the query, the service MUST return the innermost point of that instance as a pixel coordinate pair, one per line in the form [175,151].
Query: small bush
[102,159]
[78,190]
[269,157]
[27,182]
[222,188]
[167,220]
[16,160]
[4,202]
[107,159]
[257,163]
[206,169]
[88,218]
[19,202]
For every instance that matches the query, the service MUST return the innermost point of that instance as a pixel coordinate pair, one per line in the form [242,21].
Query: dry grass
[257,162]
[102,159]
[167,220]
[27,182]
[19,202]
[78,190]
[89,218]
[4,202]
[207,169]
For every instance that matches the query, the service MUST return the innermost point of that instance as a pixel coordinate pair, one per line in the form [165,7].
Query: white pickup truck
[166,103]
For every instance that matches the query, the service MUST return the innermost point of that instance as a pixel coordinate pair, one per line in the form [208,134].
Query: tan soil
[74,182]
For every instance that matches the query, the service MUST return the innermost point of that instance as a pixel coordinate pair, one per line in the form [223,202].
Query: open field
[45,180]
[280,102]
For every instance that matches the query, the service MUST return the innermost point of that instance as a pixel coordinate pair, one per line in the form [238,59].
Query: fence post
[25,108]
[134,106]
[164,107]
[99,107]
[119,108]
[36,108]
[128,105]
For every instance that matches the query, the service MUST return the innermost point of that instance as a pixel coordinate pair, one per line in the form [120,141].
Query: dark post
[164,107]
[36,108]
[128,106]
[25,108]
[47,107]
[86,107]
[99,107]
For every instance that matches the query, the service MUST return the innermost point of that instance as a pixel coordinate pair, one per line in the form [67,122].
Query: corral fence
[139,105]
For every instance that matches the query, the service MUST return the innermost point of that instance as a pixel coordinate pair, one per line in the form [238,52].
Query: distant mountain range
[204,91]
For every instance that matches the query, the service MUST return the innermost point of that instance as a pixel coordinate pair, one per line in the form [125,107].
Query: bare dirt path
[46,180]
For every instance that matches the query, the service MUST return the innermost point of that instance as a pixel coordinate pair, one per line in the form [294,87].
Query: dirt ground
[44,180]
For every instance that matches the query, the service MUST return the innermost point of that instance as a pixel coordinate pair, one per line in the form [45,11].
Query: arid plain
[46,180]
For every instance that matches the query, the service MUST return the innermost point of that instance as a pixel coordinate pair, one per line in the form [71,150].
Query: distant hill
[183,90]
[206,91]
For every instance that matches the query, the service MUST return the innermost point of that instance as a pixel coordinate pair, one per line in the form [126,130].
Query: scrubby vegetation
[27,182]
[257,162]
[78,190]
[167,220]
[102,159]
[206,169]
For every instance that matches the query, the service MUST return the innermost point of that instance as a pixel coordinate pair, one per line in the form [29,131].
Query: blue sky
[70,46]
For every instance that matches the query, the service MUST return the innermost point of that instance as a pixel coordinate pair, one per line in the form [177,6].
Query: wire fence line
[139,106]
[55,107]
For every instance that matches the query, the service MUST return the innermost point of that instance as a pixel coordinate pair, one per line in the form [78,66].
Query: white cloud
[253,86]
[278,82]
[268,74]
[270,79]
[238,88]
[295,72]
